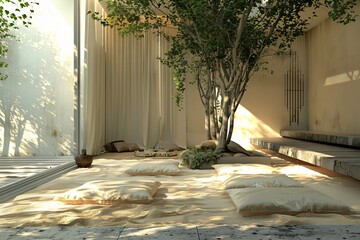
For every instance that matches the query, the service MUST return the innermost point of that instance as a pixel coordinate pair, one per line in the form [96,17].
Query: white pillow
[153,168]
[111,192]
[260,181]
[292,201]
[230,169]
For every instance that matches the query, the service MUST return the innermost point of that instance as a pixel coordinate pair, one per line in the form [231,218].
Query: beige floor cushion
[260,181]
[111,192]
[230,169]
[290,201]
[153,168]
[121,146]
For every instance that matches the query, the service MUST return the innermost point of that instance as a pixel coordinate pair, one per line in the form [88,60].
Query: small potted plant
[84,160]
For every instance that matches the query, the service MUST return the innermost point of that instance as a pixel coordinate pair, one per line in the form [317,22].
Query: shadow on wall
[248,126]
[36,101]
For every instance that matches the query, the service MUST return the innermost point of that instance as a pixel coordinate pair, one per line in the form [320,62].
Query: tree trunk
[231,120]
[213,117]
[208,126]
[222,140]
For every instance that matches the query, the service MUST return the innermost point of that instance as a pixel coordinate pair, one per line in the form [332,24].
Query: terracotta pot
[84,161]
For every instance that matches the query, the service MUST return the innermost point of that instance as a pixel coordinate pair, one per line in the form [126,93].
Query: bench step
[322,137]
[339,159]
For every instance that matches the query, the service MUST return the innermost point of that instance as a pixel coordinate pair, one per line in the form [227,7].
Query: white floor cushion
[260,181]
[111,192]
[153,168]
[240,168]
[291,201]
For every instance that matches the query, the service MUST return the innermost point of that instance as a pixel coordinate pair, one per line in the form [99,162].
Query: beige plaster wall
[262,107]
[334,77]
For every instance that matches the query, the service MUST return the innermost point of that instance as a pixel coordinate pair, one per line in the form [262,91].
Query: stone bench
[340,159]
[322,137]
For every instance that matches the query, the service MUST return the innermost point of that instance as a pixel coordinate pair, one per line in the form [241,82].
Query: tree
[12,14]
[221,43]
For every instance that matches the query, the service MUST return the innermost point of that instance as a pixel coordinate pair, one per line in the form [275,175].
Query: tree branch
[222,83]
[240,30]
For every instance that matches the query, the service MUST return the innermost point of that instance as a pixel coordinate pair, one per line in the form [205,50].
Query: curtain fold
[93,82]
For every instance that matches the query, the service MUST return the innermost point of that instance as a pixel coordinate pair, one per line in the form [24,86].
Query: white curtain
[127,91]
[92,84]
[139,90]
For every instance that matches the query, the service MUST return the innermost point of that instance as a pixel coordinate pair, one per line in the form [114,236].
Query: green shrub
[195,158]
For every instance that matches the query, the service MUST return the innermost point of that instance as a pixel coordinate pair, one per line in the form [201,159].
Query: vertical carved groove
[294,89]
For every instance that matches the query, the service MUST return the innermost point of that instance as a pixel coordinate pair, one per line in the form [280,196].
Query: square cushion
[132,147]
[171,147]
[109,147]
[230,169]
[121,146]
[152,168]
[291,201]
[111,192]
[260,181]
[236,148]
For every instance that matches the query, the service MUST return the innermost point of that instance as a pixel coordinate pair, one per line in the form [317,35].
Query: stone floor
[297,232]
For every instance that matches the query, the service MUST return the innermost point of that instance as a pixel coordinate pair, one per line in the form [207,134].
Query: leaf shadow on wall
[34,116]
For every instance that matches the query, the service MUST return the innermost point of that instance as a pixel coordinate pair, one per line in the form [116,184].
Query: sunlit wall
[334,77]
[37,100]
[261,113]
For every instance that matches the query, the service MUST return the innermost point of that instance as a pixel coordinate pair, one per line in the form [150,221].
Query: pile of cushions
[121,146]
[259,190]
[106,192]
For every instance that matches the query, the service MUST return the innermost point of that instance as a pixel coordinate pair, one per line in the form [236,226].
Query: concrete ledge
[348,167]
[339,159]
[322,137]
